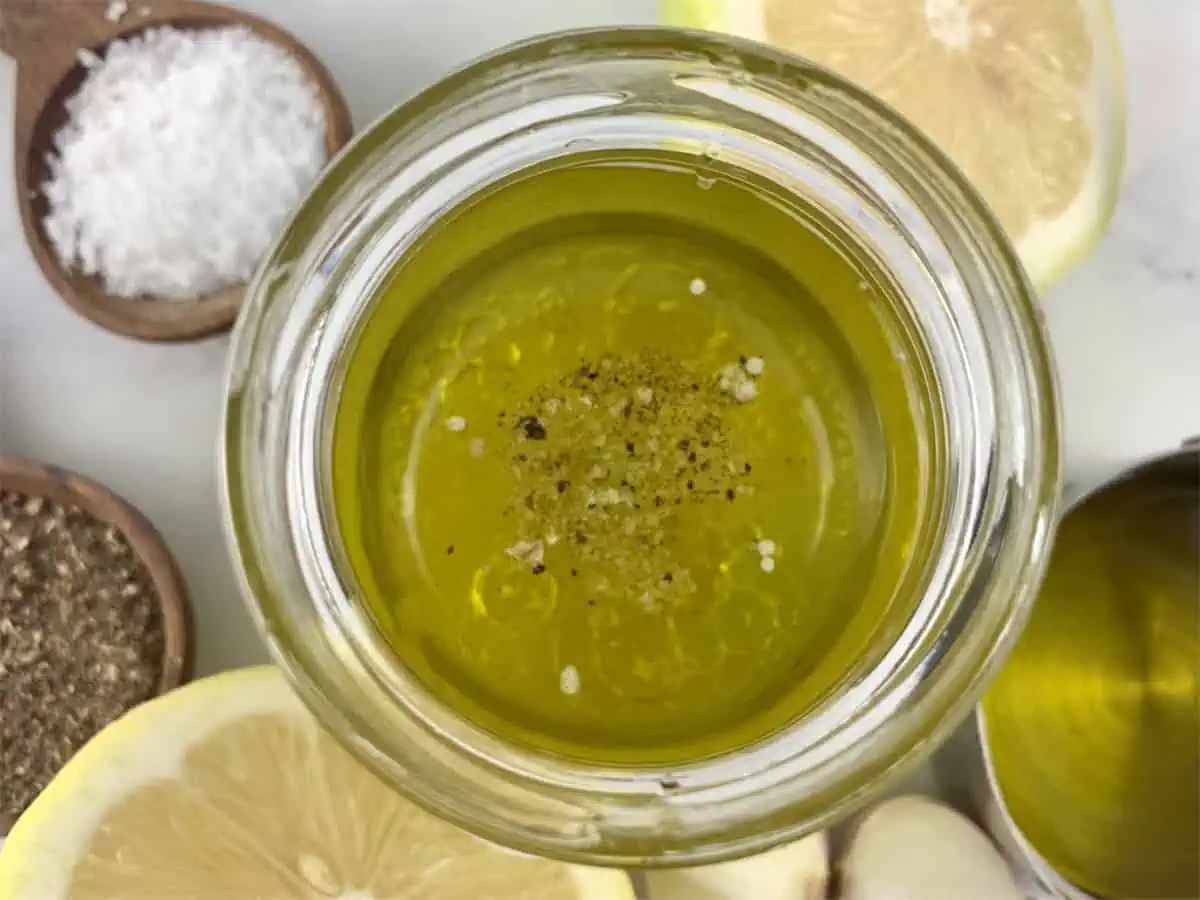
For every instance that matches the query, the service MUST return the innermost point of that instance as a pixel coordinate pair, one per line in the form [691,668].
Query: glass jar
[821,139]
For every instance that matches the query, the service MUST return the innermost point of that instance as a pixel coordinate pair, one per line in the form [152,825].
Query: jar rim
[403,170]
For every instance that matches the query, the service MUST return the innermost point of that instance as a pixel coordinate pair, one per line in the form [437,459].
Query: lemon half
[228,789]
[1026,96]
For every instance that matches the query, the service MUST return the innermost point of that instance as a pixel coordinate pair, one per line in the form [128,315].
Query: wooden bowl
[45,37]
[65,488]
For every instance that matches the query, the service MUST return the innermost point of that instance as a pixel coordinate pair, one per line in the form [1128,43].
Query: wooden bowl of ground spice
[160,147]
[94,619]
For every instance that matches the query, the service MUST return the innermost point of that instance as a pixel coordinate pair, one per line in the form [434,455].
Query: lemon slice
[228,789]
[1026,96]
[798,871]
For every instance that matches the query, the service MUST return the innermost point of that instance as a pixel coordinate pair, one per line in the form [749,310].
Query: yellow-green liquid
[1094,722]
[630,465]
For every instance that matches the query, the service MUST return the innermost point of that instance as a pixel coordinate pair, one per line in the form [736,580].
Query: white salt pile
[182,155]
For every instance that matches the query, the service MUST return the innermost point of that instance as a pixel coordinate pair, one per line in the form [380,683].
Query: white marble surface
[143,418]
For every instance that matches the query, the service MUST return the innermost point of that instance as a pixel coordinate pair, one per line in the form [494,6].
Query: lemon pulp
[1026,97]
[630,462]
[228,788]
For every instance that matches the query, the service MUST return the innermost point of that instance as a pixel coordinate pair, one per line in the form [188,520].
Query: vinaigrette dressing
[628,462]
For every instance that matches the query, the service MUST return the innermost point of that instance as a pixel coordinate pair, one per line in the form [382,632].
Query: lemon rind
[1053,248]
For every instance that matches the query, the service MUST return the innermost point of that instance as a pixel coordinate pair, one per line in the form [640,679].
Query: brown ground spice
[81,639]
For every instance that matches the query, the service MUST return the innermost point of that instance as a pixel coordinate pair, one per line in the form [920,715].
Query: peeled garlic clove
[913,848]
[798,871]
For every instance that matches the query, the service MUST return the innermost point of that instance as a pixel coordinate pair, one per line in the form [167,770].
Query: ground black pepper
[634,437]
[81,639]
[533,428]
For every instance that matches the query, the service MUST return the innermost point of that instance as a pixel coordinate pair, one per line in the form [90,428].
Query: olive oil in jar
[630,463]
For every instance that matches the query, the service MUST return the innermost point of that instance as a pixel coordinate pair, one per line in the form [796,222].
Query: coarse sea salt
[115,11]
[739,383]
[568,680]
[182,155]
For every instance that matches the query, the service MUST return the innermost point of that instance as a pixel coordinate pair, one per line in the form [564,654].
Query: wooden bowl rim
[187,319]
[67,488]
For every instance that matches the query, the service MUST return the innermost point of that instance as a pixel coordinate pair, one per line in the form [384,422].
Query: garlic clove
[914,848]
[798,871]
